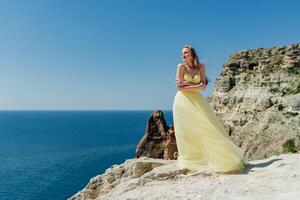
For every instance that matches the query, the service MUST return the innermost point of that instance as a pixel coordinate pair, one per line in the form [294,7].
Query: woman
[202,140]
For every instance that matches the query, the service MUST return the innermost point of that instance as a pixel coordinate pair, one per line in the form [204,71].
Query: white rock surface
[277,177]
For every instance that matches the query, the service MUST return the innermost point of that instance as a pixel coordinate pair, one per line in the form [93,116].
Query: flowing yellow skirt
[201,138]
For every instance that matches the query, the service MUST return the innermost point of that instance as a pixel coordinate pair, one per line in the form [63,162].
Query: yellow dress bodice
[187,76]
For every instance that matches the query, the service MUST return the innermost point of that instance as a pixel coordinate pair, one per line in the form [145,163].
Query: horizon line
[5,110]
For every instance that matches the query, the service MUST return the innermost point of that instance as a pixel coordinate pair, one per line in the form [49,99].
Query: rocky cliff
[257,97]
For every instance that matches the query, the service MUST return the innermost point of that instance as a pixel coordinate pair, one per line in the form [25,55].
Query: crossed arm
[186,87]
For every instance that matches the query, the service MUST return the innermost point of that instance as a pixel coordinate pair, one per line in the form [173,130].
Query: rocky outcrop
[159,139]
[257,97]
[277,177]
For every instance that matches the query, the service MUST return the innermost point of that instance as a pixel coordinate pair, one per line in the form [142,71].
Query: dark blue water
[53,154]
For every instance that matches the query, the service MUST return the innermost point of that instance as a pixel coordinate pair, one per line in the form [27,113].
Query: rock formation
[257,97]
[159,139]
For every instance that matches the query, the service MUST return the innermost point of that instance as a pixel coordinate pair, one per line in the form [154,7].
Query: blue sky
[124,54]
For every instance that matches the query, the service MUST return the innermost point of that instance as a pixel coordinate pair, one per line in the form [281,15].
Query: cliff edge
[277,177]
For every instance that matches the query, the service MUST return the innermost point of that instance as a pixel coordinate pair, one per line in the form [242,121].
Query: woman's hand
[178,81]
[181,83]
[185,86]
[195,85]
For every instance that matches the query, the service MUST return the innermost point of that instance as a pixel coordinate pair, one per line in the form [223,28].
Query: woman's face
[186,55]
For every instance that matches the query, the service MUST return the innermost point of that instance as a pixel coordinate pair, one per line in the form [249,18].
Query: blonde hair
[196,62]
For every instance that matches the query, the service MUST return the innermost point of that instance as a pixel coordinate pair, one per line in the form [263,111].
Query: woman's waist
[187,92]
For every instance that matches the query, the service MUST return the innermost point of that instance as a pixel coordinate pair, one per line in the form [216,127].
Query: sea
[53,154]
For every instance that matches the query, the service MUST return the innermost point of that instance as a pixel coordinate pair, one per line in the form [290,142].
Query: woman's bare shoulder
[180,64]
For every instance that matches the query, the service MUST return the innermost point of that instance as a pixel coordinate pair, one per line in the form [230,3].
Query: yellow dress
[201,138]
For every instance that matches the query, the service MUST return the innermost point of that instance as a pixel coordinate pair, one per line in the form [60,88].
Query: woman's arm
[180,83]
[203,73]
[179,75]
[193,87]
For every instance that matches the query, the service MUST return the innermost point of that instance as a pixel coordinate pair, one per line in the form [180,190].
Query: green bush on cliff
[290,114]
[294,89]
[289,146]
[266,71]
[294,70]
[274,90]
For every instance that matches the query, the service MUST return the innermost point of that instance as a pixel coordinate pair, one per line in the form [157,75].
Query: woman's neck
[189,65]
